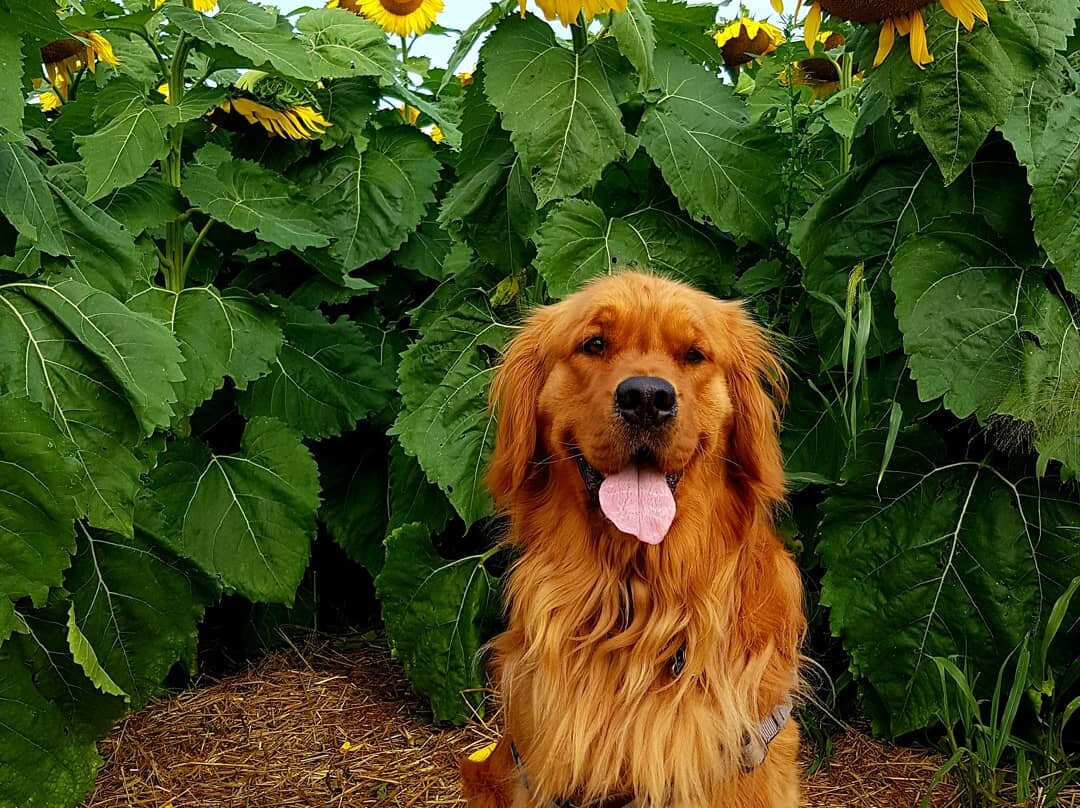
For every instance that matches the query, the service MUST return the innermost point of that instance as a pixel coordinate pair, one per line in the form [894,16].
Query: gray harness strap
[753,754]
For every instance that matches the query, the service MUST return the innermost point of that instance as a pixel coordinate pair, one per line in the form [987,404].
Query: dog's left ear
[514,395]
[758,389]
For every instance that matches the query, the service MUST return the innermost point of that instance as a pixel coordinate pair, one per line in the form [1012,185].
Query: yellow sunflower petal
[49,101]
[778,6]
[436,134]
[401,17]
[885,41]
[959,9]
[101,48]
[920,53]
[480,755]
[811,26]
[204,5]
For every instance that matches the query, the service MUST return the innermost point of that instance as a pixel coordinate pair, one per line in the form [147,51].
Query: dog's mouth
[638,499]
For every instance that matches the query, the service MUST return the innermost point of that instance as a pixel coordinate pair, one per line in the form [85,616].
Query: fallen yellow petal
[480,755]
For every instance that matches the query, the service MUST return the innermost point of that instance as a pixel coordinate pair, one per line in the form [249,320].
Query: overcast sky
[459,13]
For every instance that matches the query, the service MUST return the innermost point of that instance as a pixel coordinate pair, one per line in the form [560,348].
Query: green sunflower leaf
[680,25]
[1054,173]
[354,507]
[247,518]
[221,334]
[437,614]
[372,201]
[252,30]
[136,607]
[39,482]
[412,497]
[12,101]
[633,31]
[473,34]
[256,200]
[327,377]
[343,44]
[950,560]
[26,201]
[577,242]
[148,202]
[445,423]
[48,743]
[720,166]
[557,105]
[102,371]
[131,138]
[966,309]
[958,98]
[85,657]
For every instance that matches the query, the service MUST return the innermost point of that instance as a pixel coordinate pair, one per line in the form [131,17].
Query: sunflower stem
[176,270]
[579,32]
[846,81]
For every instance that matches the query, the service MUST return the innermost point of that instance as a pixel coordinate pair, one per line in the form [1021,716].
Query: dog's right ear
[514,395]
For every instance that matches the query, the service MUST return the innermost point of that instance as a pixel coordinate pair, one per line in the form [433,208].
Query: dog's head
[636,387]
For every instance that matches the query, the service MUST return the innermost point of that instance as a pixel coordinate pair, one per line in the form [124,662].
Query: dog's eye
[694,356]
[594,346]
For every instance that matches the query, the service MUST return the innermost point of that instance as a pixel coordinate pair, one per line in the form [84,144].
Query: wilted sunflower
[818,73]
[277,106]
[567,10]
[902,17]
[64,58]
[401,17]
[746,39]
[198,5]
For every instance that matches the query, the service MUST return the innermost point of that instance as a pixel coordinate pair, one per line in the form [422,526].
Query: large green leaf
[254,199]
[957,99]
[131,137]
[354,509]
[968,312]
[51,719]
[633,31]
[437,614]
[12,102]
[246,518]
[102,371]
[252,30]
[473,34]
[1027,118]
[137,606]
[412,497]
[720,166]
[344,44]
[221,334]
[25,199]
[578,242]
[1055,183]
[39,482]
[678,24]
[371,201]
[328,376]
[557,105]
[445,424]
[936,561]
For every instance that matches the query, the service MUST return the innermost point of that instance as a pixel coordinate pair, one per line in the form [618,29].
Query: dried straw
[321,728]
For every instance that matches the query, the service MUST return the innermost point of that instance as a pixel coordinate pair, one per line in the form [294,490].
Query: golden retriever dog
[654,618]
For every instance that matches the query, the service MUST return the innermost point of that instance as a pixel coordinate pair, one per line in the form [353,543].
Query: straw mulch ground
[326,727]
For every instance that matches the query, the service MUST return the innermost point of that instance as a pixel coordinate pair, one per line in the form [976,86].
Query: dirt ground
[325,727]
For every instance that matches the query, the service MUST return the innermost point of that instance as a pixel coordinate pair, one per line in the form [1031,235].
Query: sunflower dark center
[401,7]
[871,10]
[743,48]
[60,50]
[819,70]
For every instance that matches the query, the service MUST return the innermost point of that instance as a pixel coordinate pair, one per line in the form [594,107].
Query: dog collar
[753,754]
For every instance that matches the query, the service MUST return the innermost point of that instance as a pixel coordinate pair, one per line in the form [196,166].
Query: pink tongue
[639,502]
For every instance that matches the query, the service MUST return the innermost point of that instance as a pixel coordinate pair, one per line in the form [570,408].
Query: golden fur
[590,700]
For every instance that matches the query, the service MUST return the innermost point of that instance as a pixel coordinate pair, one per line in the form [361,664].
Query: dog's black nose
[645,401]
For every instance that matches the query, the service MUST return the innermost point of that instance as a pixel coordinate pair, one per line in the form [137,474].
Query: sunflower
[746,39]
[401,17]
[64,58]
[198,5]
[903,17]
[277,106]
[818,73]
[435,133]
[465,78]
[568,10]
